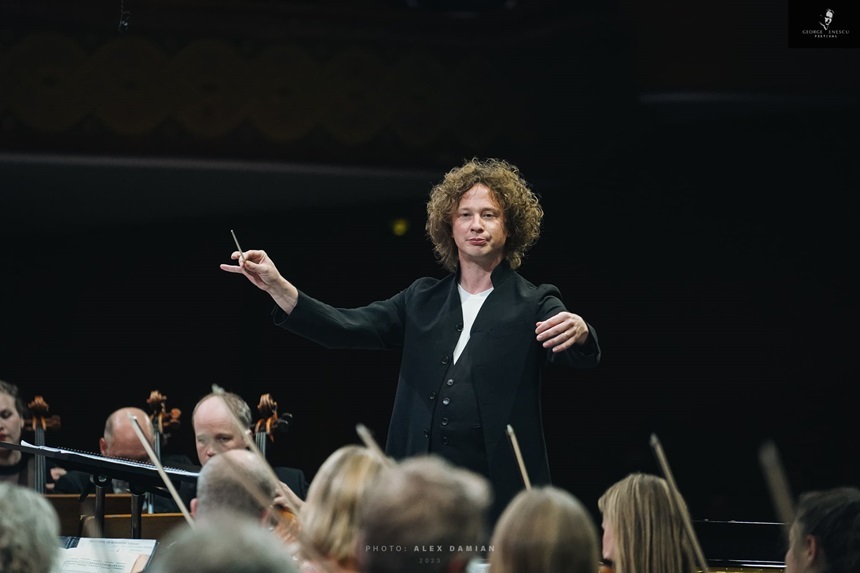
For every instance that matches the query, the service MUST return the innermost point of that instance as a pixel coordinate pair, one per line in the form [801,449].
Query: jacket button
[432,395]
[450,382]
[446,401]
[459,327]
[444,421]
[445,360]
[445,440]
[426,433]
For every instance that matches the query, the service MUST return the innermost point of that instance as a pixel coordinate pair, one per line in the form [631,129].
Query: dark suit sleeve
[579,355]
[377,326]
[72,482]
[295,480]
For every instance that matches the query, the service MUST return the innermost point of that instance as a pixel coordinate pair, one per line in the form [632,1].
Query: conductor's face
[478,227]
[215,430]
[11,422]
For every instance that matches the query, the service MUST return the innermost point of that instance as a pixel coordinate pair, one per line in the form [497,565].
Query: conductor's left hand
[562,331]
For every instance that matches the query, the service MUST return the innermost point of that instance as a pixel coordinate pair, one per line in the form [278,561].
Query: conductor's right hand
[261,270]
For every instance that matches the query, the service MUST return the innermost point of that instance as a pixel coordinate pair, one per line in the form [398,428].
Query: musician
[642,503]
[231,482]
[434,511]
[544,530]
[474,344]
[232,543]
[15,466]
[329,517]
[825,535]
[29,527]
[119,440]
[215,432]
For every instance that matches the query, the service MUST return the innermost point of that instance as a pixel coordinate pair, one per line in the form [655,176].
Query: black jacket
[425,321]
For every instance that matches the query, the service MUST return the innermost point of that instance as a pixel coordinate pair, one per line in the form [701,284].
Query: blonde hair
[647,526]
[544,530]
[329,515]
[522,211]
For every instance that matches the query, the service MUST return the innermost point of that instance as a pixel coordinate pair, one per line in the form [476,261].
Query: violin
[264,429]
[163,422]
[39,423]
[605,566]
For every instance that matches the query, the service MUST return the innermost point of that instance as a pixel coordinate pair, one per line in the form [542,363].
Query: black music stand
[141,477]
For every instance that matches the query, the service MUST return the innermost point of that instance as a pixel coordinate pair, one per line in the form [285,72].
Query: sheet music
[107,555]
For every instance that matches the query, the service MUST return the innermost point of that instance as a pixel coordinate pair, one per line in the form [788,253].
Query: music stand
[141,477]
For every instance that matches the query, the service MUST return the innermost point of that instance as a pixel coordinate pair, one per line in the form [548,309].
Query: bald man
[215,431]
[119,440]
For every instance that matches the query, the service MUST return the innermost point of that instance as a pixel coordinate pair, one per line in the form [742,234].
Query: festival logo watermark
[820,25]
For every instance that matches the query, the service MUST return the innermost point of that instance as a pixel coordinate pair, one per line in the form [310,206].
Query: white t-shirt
[471,304]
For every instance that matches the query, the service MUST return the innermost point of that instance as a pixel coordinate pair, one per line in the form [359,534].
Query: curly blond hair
[522,211]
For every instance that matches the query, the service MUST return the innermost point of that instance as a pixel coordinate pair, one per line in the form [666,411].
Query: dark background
[699,179]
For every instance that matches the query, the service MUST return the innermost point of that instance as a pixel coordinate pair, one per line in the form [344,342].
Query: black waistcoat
[456,430]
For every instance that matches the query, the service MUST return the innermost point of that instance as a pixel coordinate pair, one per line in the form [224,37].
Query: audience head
[120,440]
[423,501]
[825,535]
[231,543]
[214,421]
[11,415]
[234,481]
[544,530]
[330,513]
[28,531]
[643,527]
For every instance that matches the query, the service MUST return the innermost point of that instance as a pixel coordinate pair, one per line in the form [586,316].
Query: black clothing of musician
[23,472]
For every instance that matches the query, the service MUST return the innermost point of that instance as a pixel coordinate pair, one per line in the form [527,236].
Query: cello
[162,420]
[264,428]
[39,422]
[285,513]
